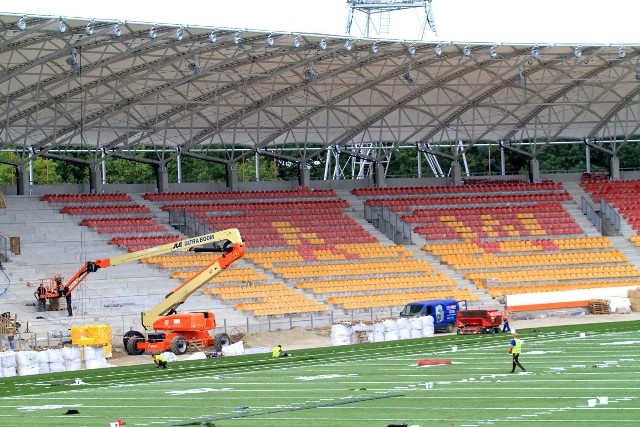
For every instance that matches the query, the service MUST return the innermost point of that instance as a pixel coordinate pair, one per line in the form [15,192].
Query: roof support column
[162,179]
[456,172]
[534,170]
[95,179]
[23,180]
[614,168]
[304,175]
[378,175]
[232,177]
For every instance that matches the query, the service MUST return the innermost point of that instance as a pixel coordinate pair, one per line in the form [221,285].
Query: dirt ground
[299,338]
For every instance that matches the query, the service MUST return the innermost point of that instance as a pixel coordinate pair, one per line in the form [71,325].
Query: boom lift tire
[132,343]
[221,340]
[126,336]
[179,345]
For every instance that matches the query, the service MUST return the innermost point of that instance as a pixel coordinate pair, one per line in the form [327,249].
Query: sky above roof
[490,21]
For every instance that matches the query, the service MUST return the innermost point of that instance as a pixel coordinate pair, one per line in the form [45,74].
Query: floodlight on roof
[117,30]
[622,52]
[62,26]
[22,23]
[348,45]
[237,39]
[179,34]
[467,51]
[90,28]
[296,42]
[270,40]
[213,36]
[411,50]
[375,48]
[323,43]
[577,52]
[438,50]
[535,52]
[153,32]
[493,51]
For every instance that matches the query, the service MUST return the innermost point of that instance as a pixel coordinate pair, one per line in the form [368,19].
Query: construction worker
[42,298]
[506,315]
[160,360]
[67,296]
[277,352]
[515,349]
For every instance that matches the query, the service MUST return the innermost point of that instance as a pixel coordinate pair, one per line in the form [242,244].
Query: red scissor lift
[479,321]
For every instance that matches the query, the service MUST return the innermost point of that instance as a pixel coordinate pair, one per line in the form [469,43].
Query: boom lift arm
[93,266]
[229,242]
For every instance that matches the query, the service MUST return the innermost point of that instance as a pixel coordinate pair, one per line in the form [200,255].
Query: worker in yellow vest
[277,352]
[160,360]
[515,348]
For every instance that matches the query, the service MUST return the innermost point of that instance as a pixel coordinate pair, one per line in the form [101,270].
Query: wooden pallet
[599,306]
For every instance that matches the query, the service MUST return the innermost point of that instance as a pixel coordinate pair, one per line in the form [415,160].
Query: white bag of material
[72,365]
[71,353]
[43,368]
[27,363]
[55,355]
[378,327]
[234,349]
[28,370]
[403,328]
[416,333]
[171,357]
[427,326]
[9,372]
[94,357]
[95,364]
[27,358]
[403,323]
[43,357]
[56,366]
[415,323]
[391,336]
[429,331]
[340,334]
[56,362]
[620,305]
[198,355]
[404,333]
[94,353]
[8,359]
[390,325]
[378,336]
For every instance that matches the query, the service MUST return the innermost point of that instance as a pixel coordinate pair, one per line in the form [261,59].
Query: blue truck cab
[443,312]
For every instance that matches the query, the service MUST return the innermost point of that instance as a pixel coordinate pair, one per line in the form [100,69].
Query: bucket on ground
[591,403]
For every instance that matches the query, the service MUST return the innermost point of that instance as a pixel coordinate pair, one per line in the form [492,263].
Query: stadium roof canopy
[222,94]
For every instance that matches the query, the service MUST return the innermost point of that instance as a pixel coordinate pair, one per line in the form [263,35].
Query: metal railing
[610,213]
[589,210]
[389,223]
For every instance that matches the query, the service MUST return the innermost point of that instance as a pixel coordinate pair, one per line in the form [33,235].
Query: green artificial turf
[375,384]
